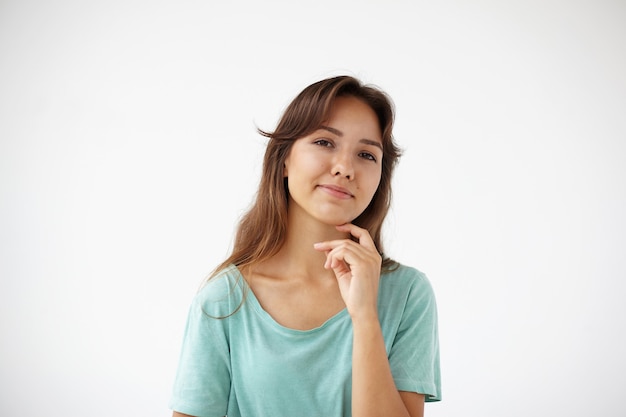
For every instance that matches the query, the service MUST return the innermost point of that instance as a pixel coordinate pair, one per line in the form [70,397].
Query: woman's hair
[262,230]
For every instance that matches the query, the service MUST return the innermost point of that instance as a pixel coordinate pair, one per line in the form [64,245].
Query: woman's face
[333,173]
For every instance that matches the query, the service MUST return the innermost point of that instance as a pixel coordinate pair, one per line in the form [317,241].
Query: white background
[128,151]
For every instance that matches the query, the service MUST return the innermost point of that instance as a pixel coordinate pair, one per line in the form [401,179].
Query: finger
[338,262]
[324,246]
[333,244]
[347,254]
[330,249]
[361,234]
[336,245]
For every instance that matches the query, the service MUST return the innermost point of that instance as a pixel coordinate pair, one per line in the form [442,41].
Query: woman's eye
[368,156]
[323,142]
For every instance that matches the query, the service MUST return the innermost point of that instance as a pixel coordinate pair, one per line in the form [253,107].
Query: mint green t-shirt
[249,365]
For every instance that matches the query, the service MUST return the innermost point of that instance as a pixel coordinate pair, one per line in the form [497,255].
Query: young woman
[308,316]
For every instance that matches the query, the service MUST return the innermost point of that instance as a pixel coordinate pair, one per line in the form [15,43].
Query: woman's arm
[357,269]
[413,402]
[374,391]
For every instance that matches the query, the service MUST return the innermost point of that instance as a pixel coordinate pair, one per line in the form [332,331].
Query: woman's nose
[342,166]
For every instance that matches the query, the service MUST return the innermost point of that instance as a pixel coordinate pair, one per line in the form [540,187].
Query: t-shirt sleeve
[414,355]
[202,383]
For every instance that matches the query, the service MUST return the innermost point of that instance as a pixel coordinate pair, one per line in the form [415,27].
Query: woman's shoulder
[406,279]
[399,272]
[407,292]
[223,288]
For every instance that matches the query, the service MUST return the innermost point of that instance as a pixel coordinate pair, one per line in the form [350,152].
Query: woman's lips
[336,191]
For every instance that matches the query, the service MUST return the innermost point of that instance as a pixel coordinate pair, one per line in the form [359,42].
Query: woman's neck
[297,257]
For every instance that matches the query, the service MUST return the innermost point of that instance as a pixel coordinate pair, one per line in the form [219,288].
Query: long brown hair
[262,230]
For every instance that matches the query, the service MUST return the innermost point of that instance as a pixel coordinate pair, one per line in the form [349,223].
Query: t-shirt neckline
[258,308]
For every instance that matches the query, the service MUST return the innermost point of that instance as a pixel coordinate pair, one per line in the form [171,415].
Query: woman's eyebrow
[332,130]
[372,142]
[340,134]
